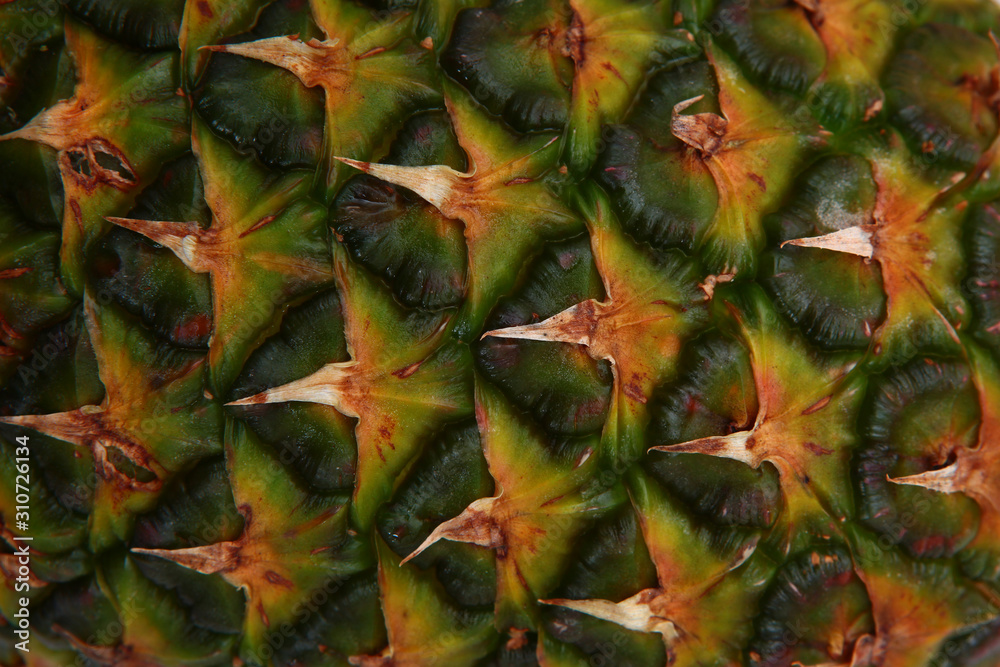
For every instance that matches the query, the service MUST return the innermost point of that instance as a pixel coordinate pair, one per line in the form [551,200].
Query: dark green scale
[567,392]
[259,108]
[450,475]
[529,85]
[397,235]
[835,299]
[150,281]
[313,440]
[814,603]
[913,416]
[707,400]
[657,200]
[937,89]
[140,24]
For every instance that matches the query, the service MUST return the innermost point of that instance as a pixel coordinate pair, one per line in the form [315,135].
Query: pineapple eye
[527,85]
[417,250]
[110,162]
[818,600]
[569,393]
[918,417]
[810,287]
[98,161]
[482,333]
[701,402]
[940,90]
[78,160]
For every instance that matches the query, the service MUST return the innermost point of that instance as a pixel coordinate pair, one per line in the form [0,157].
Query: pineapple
[495,332]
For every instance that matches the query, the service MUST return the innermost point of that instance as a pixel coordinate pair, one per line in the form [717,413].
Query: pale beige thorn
[713,281]
[949,479]
[436,183]
[633,613]
[181,237]
[48,128]
[306,60]
[325,386]
[207,559]
[703,131]
[67,426]
[731,446]
[851,240]
[574,325]
[683,105]
[475,525]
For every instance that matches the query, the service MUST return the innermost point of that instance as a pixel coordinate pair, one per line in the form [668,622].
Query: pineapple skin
[525,332]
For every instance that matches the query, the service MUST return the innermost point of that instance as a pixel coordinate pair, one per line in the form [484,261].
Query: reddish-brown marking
[77,213]
[931,543]
[520,180]
[614,70]
[817,406]
[407,371]
[205,9]
[89,149]
[518,639]
[196,327]
[816,449]
[634,392]
[590,408]
[552,500]
[278,580]
[520,577]
[15,273]
[841,579]
[759,181]
[370,52]
[263,222]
